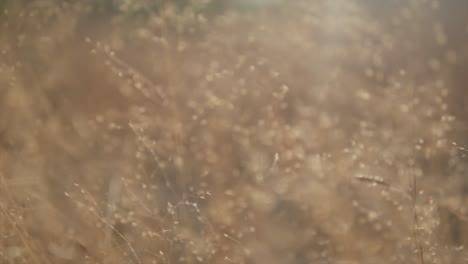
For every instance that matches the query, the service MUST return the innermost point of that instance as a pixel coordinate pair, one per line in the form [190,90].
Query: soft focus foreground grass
[233,132]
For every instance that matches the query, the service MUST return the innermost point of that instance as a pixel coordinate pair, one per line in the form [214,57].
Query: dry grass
[233,132]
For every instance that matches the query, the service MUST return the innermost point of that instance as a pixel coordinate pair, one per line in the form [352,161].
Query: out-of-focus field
[267,132]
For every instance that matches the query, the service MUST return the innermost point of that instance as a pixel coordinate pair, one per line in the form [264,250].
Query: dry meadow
[234,131]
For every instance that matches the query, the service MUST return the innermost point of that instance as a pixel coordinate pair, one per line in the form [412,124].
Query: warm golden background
[233,131]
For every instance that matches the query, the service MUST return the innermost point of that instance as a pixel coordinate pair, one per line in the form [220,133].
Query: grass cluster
[198,131]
